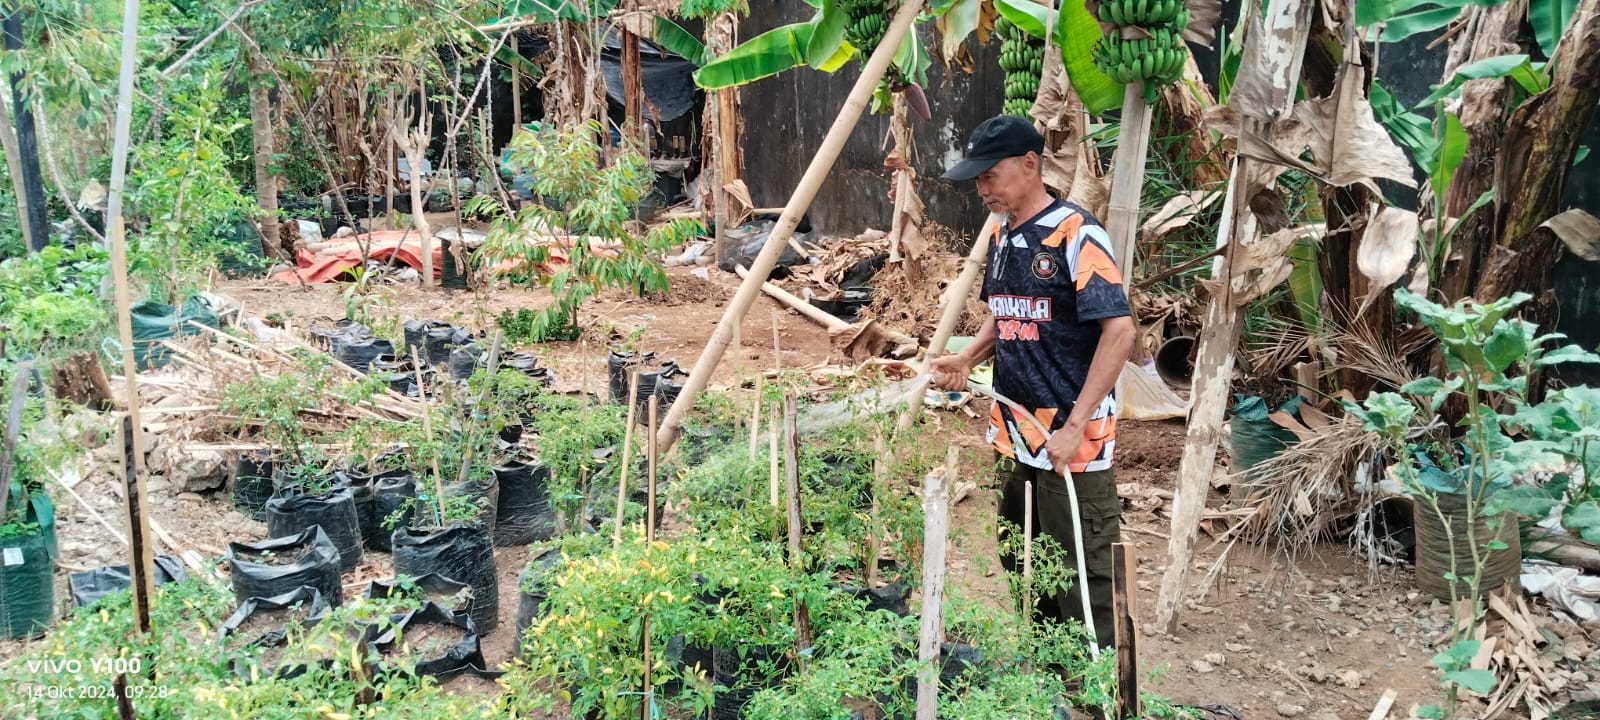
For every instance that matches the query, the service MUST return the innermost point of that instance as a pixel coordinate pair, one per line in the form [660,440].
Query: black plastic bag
[464,360]
[531,593]
[90,585]
[745,242]
[893,597]
[390,494]
[361,352]
[416,334]
[744,672]
[668,385]
[523,514]
[433,587]
[442,641]
[265,568]
[252,482]
[291,511]
[617,366]
[364,492]
[464,553]
[311,604]
[441,340]
[483,492]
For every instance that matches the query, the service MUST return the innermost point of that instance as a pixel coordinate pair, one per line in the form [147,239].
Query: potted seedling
[27,546]
[1460,476]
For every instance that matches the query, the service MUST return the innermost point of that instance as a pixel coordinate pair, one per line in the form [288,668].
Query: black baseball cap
[996,139]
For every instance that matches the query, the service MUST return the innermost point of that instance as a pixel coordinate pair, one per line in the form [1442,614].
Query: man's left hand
[1063,444]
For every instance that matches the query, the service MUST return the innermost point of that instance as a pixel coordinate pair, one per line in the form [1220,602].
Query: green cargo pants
[1101,512]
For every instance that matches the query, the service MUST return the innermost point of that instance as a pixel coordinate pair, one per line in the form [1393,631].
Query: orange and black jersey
[1050,280]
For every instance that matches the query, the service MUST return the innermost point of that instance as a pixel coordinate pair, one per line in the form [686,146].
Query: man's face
[1009,183]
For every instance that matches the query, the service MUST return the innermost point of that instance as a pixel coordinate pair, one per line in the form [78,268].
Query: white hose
[1072,499]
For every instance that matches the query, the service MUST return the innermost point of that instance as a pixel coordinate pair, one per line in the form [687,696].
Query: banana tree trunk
[262,138]
[723,154]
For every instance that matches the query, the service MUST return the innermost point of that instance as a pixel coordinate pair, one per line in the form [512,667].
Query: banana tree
[830,39]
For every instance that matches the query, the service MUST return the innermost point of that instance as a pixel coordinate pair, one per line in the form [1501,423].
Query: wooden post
[936,525]
[141,557]
[627,446]
[777,347]
[821,166]
[427,431]
[1127,635]
[516,86]
[755,420]
[1127,179]
[650,474]
[633,90]
[1027,555]
[880,484]
[791,456]
[1273,53]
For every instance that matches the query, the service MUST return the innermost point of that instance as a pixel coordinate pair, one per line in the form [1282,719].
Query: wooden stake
[627,445]
[880,485]
[777,349]
[483,402]
[818,315]
[1127,178]
[427,431]
[755,419]
[772,447]
[1127,631]
[955,302]
[936,524]
[791,455]
[141,557]
[124,700]
[821,165]
[1027,555]
[650,475]
[516,86]
[1381,710]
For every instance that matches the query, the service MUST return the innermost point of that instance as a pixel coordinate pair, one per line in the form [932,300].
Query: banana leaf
[553,10]
[912,59]
[765,55]
[679,41]
[1076,33]
[1029,16]
[955,23]
[1549,19]
[827,33]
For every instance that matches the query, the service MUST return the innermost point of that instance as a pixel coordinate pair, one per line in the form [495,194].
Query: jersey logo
[1045,266]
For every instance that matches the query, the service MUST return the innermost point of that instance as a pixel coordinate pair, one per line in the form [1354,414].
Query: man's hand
[1063,444]
[950,371]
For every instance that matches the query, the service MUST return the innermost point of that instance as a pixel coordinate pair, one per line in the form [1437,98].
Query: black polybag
[290,511]
[465,653]
[523,515]
[461,552]
[433,587]
[316,563]
[91,585]
[390,495]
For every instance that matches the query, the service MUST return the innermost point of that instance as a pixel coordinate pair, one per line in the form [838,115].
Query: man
[1059,331]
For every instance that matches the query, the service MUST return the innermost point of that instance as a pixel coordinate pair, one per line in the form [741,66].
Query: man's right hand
[950,371]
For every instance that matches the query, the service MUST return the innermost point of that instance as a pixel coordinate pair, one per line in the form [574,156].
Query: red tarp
[341,254]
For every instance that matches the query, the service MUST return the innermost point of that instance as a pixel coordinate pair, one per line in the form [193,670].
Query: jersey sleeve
[1096,276]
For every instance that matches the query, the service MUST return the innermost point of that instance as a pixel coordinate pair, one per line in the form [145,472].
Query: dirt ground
[1320,637]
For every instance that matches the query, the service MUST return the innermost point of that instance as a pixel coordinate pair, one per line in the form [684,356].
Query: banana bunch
[1155,54]
[1157,60]
[1149,14]
[1021,58]
[868,19]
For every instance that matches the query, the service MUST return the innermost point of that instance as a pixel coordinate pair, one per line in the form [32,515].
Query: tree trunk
[633,91]
[261,135]
[32,216]
[82,380]
[8,138]
[723,154]
[413,142]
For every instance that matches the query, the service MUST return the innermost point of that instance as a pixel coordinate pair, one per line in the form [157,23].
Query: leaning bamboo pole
[821,165]
[141,561]
[1127,178]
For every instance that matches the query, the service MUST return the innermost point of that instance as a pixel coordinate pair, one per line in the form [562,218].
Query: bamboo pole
[427,431]
[772,452]
[1027,555]
[936,525]
[955,301]
[483,401]
[1127,179]
[627,445]
[820,316]
[821,165]
[649,538]
[880,479]
[755,419]
[1127,635]
[777,346]
[141,560]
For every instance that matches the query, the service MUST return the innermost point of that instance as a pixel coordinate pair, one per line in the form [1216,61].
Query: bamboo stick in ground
[627,446]
[791,454]
[880,483]
[1027,555]
[427,432]
[936,525]
[772,444]
[777,348]
[755,419]
[821,165]
[654,450]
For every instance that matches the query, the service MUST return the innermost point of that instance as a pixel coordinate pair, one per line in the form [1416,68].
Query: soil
[430,640]
[469,684]
[268,557]
[1318,635]
[265,621]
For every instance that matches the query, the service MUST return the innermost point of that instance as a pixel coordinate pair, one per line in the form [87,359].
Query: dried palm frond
[1279,345]
[1358,347]
[1309,487]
